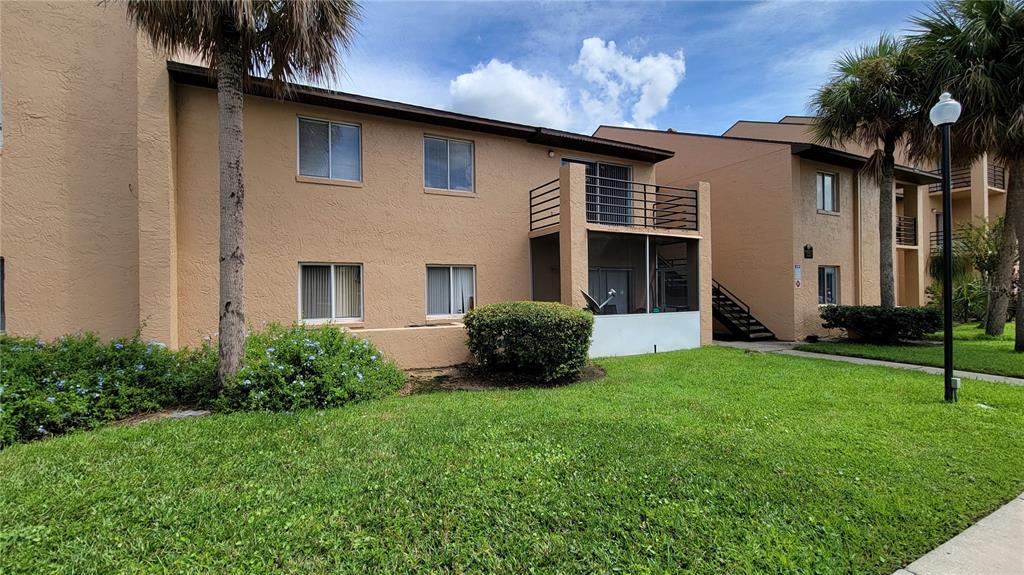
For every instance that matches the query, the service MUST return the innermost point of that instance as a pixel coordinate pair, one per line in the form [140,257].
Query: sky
[691,66]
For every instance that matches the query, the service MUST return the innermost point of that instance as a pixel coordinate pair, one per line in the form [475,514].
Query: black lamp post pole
[947,264]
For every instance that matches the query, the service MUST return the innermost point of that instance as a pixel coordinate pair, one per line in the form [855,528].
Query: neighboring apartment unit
[796,226]
[389,219]
[979,189]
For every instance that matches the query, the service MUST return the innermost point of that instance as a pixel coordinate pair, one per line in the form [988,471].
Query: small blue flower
[359,376]
[271,350]
[311,358]
[60,384]
[41,430]
[51,399]
[40,343]
[373,358]
[80,390]
[247,383]
[118,345]
[140,367]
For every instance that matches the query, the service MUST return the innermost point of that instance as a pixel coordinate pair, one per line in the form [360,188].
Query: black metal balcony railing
[996,176]
[960,178]
[620,203]
[906,230]
[625,203]
[935,240]
[545,206]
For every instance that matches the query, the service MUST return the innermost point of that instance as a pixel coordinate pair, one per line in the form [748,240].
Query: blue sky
[692,66]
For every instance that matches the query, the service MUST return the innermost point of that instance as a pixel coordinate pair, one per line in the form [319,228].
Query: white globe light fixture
[943,115]
[946,111]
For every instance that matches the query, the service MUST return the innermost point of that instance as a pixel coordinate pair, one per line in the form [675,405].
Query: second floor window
[447,164]
[329,150]
[828,195]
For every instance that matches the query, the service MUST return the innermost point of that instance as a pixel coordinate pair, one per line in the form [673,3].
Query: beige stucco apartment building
[388,219]
[796,224]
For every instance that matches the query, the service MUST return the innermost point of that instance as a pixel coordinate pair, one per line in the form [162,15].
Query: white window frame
[327,320]
[819,177]
[330,164]
[448,163]
[821,286]
[451,290]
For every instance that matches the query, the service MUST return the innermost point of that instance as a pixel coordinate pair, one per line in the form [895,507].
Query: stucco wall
[833,238]
[69,228]
[389,224]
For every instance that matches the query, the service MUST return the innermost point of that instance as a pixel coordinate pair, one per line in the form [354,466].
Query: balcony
[906,231]
[961,178]
[935,240]
[996,176]
[615,202]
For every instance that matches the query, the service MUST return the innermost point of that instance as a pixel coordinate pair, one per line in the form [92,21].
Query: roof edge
[201,76]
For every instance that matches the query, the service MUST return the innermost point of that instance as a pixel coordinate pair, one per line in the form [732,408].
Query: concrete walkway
[787,348]
[992,546]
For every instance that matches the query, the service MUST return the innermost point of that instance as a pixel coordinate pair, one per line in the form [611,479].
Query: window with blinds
[447,164]
[828,285]
[451,290]
[330,292]
[329,150]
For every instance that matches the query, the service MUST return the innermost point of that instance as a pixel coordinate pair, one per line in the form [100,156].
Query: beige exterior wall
[833,238]
[388,223]
[69,228]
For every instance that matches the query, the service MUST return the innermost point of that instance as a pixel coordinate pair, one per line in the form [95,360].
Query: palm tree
[975,50]
[284,40]
[869,101]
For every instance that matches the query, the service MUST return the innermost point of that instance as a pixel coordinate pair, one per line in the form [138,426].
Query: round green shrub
[289,368]
[543,341]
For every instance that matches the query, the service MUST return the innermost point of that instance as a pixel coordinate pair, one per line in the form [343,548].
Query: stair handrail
[716,285]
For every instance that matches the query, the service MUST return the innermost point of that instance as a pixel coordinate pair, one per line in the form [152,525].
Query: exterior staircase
[735,315]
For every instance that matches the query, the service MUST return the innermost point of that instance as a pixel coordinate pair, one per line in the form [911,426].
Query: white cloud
[500,90]
[610,87]
[647,82]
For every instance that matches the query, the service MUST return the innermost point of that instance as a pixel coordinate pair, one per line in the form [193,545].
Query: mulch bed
[467,377]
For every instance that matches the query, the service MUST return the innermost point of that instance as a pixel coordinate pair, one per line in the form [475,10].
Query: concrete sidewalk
[992,546]
[786,348]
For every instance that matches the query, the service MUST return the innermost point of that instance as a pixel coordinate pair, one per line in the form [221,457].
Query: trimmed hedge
[876,324]
[289,368]
[543,341]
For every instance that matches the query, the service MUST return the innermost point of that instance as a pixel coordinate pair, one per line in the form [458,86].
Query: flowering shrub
[288,368]
[78,382]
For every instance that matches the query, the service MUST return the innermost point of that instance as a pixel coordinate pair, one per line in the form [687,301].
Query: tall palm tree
[284,40]
[975,50]
[869,101]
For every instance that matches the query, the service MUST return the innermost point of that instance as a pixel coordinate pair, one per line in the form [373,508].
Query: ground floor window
[330,292]
[828,285]
[451,290]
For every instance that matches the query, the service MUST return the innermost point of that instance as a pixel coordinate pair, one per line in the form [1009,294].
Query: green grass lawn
[705,461]
[972,351]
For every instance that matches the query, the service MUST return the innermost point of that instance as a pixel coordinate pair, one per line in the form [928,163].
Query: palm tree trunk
[231,342]
[1015,221]
[999,283]
[886,281]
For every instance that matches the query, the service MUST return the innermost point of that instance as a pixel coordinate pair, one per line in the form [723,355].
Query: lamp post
[943,115]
